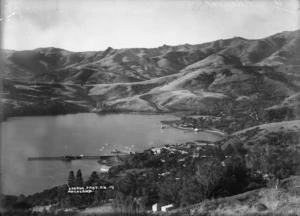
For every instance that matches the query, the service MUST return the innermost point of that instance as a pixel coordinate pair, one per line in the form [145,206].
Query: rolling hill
[163,79]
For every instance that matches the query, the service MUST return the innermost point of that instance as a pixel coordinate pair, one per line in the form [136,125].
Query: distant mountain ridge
[167,78]
[140,64]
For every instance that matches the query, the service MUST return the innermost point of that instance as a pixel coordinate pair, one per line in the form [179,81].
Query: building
[104,168]
[167,207]
[156,207]
[156,150]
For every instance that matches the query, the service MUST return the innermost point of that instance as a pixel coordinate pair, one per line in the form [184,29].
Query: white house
[156,207]
[104,168]
[156,150]
[167,207]
[195,155]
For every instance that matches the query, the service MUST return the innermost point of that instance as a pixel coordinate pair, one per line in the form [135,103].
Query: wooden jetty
[69,158]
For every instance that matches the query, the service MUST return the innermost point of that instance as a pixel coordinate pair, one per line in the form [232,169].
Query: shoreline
[173,124]
[4,118]
[199,130]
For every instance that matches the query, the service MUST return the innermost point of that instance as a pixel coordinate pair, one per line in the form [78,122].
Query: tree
[209,174]
[93,180]
[76,200]
[62,192]
[236,166]
[191,191]
[237,176]
[79,180]
[128,184]
[168,190]
[21,198]
[278,163]
[71,179]
[21,203]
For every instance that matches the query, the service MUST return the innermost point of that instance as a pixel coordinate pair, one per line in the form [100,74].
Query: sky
[93,25]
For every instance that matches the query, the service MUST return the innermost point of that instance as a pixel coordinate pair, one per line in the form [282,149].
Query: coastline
[4,117]
[173,124]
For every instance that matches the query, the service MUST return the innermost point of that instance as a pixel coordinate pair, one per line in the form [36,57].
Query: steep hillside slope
[289,108]
[267,137]
[258,202]
[25,99]
[236,68]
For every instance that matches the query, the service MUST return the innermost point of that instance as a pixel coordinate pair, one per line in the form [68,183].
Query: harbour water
[76,134]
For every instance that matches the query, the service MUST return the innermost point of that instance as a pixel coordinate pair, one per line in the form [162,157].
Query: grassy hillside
[25,99]
[237,70]
[275,202]
[169,78]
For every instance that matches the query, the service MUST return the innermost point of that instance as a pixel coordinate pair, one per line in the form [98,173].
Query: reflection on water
[87,134]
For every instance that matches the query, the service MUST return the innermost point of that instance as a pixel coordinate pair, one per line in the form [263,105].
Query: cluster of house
[159,207]
[104,168]
[193,122]
[158,150]
[172,149]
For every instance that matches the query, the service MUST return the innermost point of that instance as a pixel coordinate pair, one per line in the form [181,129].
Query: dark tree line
[72,181]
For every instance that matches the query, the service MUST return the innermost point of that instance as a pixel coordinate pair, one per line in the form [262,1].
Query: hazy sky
[81,25]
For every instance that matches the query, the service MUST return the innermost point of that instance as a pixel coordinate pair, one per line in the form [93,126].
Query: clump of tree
[275,163]
[98,196]
[212,178]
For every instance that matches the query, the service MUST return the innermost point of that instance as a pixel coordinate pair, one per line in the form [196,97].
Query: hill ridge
[168,78]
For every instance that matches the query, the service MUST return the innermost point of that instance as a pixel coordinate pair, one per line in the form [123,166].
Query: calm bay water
[75,134]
